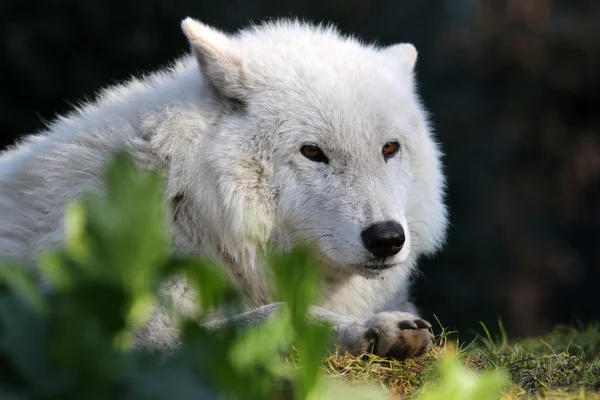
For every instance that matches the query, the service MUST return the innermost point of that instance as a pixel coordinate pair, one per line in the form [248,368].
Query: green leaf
[296,280]
[212,287]
[456,382]
[23,282]
[23,336]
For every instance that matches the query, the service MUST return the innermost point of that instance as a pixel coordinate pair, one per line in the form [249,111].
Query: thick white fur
[226,123]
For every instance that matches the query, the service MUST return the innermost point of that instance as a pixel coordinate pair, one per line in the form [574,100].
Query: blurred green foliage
[75,341]
[457,382]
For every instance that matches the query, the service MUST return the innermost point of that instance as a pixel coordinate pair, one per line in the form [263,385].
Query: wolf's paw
[396,335]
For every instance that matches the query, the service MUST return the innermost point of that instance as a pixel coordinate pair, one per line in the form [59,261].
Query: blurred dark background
[514,91]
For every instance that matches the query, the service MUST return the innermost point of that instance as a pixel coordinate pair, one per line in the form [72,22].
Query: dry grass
[564,364]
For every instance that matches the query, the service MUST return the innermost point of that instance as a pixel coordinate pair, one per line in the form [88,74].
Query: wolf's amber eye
[313,153]
[390,149]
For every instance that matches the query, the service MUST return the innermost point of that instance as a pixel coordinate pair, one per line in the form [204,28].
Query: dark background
[514,91]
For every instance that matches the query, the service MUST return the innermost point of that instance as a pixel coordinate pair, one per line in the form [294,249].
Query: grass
[563,364]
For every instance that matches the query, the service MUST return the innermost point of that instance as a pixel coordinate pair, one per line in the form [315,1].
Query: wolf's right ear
[405,56]
[218,57]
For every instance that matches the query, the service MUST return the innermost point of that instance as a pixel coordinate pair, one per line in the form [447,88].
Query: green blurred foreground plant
[75,342]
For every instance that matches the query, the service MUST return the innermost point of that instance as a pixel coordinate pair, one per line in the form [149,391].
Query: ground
[563,364]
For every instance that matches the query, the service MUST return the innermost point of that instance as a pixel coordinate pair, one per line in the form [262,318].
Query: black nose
[383,239]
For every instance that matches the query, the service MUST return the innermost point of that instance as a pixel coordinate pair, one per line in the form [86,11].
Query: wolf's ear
[405,54]
[218,57]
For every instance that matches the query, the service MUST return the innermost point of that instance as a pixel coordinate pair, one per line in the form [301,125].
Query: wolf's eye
[313,153]
[390,149]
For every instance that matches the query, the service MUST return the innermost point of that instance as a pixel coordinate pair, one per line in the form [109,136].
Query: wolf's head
[324,140]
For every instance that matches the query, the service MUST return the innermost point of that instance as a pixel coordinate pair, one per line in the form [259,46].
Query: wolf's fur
[226,124]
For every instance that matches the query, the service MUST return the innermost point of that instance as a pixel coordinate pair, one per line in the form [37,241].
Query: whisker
[323,253]
[317,238]
[417,222]
[312,229]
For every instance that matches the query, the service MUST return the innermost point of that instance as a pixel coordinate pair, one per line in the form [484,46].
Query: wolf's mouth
[375,266]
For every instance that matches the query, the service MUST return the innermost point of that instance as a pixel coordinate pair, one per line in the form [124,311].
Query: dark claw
[371,335]
[406,324]
[421,323]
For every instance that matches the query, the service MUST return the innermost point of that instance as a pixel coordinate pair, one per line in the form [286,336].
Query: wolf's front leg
[393,334]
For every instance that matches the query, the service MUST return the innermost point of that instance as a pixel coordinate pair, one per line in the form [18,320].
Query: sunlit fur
[226,124]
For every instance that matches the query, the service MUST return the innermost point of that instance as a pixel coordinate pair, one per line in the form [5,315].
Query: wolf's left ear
[218,57]
[405,54]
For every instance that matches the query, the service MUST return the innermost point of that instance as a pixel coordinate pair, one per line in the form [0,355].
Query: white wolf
[283,132]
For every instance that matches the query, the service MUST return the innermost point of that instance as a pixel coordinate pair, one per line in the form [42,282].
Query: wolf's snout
[383,239]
